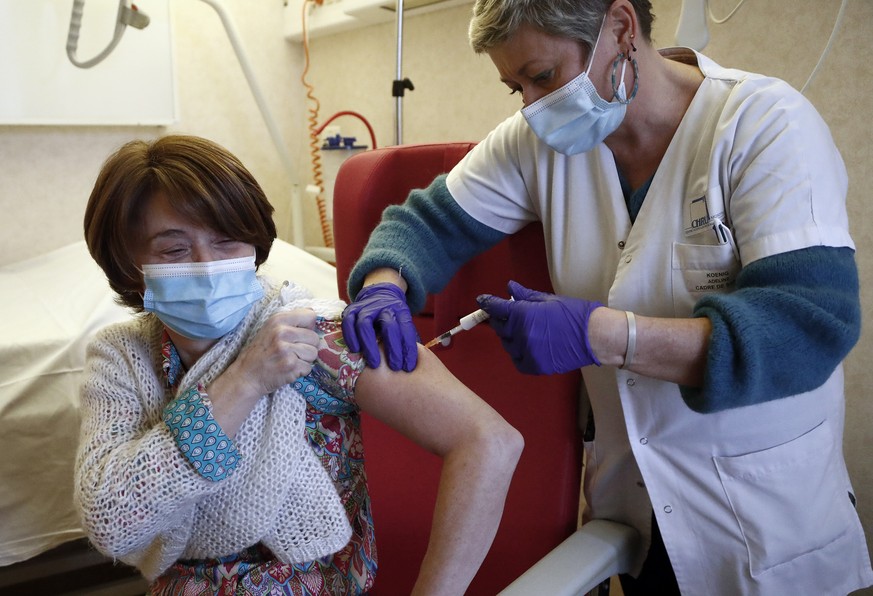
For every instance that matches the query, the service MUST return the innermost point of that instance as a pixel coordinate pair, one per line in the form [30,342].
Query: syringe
[466,323]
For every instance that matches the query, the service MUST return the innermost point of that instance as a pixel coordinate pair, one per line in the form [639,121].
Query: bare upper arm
[429,405]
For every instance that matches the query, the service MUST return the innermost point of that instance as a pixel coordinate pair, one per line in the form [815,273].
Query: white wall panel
[39,85]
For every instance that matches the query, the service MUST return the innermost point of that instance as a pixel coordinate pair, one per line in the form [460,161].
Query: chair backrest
[542,505]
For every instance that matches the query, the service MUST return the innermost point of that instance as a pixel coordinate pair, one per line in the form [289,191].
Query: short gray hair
[495,21]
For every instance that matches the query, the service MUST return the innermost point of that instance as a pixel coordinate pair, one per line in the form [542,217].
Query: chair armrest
[595,552]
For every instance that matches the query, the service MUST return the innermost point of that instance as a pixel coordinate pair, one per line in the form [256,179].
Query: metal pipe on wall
[276,136]
[398,85]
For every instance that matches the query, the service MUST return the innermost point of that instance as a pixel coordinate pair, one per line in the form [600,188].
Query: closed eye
[543,77]
[175,253]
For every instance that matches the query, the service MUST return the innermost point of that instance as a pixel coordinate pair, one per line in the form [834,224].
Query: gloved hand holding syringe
[466,323]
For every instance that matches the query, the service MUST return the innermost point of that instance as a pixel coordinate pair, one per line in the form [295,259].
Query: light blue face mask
[202,300]
[574,118]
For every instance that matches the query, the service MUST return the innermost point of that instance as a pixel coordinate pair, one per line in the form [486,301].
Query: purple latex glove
[543,333]
[381,309]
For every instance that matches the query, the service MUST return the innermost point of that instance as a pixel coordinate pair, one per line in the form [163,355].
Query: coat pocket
[700,269]
[788,500]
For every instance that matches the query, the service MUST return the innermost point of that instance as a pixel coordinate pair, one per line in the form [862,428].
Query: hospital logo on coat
[702,211]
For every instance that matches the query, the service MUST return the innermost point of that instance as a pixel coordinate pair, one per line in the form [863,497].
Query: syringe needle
[466,323]
[437,339]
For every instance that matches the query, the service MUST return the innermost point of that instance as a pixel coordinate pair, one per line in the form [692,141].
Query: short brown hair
[202,180]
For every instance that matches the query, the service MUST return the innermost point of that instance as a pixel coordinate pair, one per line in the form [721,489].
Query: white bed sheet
[51,305]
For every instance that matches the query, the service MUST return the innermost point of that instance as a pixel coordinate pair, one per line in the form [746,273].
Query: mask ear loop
[616,84]
[594,47]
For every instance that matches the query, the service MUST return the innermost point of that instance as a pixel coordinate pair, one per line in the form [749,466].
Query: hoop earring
[621,57]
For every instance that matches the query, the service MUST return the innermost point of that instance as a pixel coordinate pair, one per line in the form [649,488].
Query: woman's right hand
[283,350]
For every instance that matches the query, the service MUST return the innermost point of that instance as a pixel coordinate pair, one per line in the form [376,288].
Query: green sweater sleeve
[791,320]
[427,238]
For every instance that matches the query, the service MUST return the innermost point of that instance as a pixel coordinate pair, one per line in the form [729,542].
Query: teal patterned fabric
[201,440]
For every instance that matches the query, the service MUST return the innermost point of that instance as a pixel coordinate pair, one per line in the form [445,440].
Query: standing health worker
[697,240]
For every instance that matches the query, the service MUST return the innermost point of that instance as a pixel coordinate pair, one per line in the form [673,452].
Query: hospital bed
[51,305]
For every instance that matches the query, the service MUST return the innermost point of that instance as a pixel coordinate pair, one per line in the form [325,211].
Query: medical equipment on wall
[335,150]
[465,324]
[330,17]
[828,46]
[315,190]
[267,115]
[693,32]
[130,17]
[400,84]
[128,14]
[324,17]
[321,189]
[134,86]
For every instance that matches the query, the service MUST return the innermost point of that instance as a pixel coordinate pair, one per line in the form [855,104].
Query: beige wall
[46,173]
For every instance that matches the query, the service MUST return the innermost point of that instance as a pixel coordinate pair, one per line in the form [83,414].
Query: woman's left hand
[543,333]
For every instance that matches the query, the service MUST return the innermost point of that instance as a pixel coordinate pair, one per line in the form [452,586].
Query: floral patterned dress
[334,433]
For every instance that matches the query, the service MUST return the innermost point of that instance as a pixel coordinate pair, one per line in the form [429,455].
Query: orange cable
[315,149]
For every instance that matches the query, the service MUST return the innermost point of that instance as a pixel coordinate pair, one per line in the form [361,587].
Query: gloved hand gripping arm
[381,308]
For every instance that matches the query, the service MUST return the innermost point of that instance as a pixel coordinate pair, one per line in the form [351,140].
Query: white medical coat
[752,500]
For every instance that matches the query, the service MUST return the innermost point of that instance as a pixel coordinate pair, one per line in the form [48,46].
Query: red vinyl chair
[542,505]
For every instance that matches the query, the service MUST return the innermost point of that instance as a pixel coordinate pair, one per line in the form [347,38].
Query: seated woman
[220,445]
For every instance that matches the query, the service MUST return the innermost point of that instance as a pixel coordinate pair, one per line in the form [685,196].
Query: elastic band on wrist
[631,339]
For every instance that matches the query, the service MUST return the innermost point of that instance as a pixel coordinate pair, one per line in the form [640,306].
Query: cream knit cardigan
[142,502]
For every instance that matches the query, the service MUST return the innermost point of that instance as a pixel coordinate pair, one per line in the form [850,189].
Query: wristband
[631,339]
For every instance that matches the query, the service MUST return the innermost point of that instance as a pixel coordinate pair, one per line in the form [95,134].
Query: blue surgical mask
[574,118]
[202,300]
